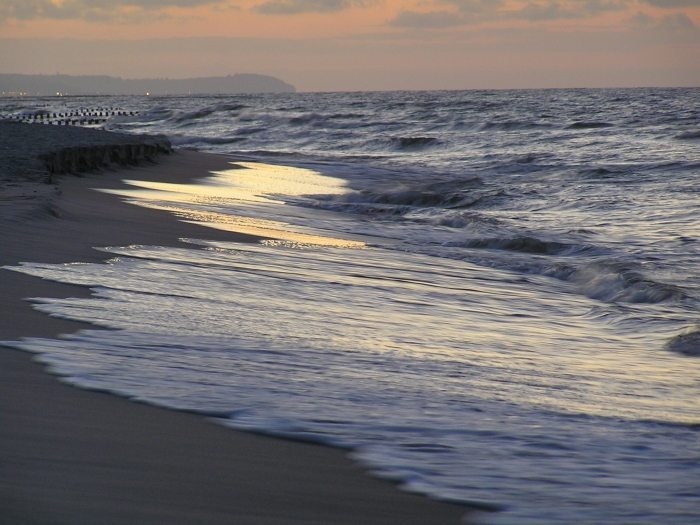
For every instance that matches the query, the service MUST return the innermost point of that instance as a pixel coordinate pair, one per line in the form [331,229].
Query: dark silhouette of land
[42,85]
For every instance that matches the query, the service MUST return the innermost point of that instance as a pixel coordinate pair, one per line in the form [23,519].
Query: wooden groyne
[89,117]
[37,153]
[85,158]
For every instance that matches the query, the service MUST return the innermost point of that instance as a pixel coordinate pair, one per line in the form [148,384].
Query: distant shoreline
[97,85]
[58,95]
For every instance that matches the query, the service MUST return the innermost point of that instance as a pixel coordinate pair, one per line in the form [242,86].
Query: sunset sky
[336,45]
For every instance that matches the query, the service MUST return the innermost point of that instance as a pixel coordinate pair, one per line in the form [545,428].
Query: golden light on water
[245,184]
[264,228]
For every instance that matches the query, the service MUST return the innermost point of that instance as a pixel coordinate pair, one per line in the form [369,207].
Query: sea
[490,297]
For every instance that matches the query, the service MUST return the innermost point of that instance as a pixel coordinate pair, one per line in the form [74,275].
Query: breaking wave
[203,141]
[513,125]
[414,143]
[686,344]
[611,281]
[590,125]
[526,245]
[689,135]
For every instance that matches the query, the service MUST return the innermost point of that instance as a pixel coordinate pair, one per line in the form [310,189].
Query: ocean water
[490,296]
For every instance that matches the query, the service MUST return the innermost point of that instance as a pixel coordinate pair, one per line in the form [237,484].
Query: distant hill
[11,84]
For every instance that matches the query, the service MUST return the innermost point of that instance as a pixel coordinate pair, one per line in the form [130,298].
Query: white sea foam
[438,373]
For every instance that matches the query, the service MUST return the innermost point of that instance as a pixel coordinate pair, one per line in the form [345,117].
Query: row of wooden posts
[71,118]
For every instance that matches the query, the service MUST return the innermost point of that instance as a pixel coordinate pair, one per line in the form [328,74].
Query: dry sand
[69,456]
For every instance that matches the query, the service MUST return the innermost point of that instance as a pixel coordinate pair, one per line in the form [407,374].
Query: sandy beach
[70,456]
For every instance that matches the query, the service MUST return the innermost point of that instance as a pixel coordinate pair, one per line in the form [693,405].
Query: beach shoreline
[74,456]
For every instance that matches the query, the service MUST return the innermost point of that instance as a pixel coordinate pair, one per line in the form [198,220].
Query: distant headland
[66,85]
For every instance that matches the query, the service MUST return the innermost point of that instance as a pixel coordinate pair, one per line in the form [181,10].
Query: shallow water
[491,296]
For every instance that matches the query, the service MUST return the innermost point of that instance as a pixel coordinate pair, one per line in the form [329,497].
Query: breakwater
[38,153]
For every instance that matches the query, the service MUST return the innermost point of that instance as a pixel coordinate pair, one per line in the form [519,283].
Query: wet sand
[70,456]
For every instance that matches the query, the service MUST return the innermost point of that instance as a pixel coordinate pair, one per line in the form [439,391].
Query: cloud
[642,20]
[673,3]
[545,11]
[553,10]
[293,7]
[476,9]
[462,12]
[471,11]
[86,9]
[475,6]
[679,25]
[678,22]
[430,20]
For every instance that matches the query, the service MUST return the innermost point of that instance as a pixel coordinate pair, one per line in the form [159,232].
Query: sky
[350,45]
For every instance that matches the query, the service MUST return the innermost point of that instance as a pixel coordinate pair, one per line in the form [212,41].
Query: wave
[457,219]
[155,114]
[590,125]
[526,158]
[212,141]
[688,135]
[512,125]
[343,116]
[198,114]
[414,143]
[190,116]
[336,121]
[309,118]
[613,281]
[312,117]
[454,194]
[686,344]
[598,277]
[525,244]
[601,173]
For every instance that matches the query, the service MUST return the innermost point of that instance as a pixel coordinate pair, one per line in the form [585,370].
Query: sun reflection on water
[246,183]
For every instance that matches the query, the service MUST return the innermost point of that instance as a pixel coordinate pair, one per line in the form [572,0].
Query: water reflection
[238,188]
